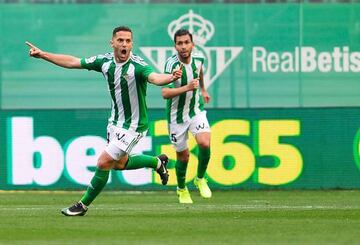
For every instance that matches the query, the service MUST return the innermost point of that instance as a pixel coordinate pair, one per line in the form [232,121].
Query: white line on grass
[234,207]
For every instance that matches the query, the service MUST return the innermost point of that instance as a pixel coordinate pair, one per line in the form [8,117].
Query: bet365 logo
[357,148]
[217,59]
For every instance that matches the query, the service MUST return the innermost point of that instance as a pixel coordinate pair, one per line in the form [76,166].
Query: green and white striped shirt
[183,107]
[127,84]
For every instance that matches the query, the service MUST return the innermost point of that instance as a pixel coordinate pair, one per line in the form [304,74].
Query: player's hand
[34,51]
[206,96]
[177,73]
[193,84]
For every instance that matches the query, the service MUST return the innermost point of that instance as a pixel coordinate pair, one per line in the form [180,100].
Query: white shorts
[121,141]
[178,132]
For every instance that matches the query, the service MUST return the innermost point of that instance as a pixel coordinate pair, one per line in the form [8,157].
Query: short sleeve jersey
[186,105]
[127,83]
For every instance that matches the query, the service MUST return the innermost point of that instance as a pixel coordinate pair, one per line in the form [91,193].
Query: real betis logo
[217,59]
[90,60]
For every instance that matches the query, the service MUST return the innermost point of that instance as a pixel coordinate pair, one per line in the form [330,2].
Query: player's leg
[98,182]
[104,165]
[182,160]
[158,163]
[180,169]
[137,161]
[112,153]
[203,141]
[201,130]
[178,135]
[113,156]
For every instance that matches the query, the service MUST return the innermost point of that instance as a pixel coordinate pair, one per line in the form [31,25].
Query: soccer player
[185,112]
[127,76]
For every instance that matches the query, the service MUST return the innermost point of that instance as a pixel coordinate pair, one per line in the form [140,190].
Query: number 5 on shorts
[173,138]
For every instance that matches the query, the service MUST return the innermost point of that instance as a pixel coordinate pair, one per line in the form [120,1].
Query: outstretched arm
[163,79]
[168,93]
[63,60]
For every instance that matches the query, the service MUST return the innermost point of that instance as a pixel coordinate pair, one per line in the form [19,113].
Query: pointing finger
[30,44]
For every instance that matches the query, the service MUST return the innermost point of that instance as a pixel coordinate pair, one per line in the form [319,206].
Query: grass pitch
[230,217]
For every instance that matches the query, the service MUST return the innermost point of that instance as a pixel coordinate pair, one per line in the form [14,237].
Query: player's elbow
[153,78]
[165,93]
[74,63]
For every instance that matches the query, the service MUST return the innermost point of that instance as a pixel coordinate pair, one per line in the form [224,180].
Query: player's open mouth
[123,51]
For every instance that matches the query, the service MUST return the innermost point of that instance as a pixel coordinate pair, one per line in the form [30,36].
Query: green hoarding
[258,55]
[251,149]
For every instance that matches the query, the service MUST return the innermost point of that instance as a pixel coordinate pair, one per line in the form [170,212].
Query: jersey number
[173,138]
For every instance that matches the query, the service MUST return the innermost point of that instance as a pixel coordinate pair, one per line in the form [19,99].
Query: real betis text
[305,59]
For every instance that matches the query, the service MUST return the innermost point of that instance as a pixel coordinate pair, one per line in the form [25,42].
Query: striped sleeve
[144,69]
[170,63]
[200,57]
[93,63]
[168,69]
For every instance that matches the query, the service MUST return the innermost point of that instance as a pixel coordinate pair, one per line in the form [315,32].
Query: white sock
[159,164]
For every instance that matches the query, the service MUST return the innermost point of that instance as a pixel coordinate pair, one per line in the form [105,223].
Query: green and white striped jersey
[127,84]
[183,107]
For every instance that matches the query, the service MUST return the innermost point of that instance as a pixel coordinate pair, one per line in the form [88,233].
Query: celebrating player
[185,112]
[127,76]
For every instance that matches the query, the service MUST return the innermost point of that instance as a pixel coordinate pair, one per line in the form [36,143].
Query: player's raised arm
[63,60]
[168,93]
[163,79]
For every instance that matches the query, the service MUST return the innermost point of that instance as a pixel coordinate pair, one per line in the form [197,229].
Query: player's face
[184,46]
[122,45]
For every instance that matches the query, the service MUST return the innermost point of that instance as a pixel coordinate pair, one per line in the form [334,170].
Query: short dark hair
[182,32]
[121,28]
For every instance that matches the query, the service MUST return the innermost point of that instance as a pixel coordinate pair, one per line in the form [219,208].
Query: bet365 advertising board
[262,148]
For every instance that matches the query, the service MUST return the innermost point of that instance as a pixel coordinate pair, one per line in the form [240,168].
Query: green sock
[141,161]
[96,185]
[180,168]
[204,157]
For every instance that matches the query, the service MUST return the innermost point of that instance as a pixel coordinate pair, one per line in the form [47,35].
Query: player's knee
[183,156]
[118,166]
[104,164]
[121,163]
[204,144]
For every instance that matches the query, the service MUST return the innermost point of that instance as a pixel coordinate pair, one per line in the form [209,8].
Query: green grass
[230,217]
